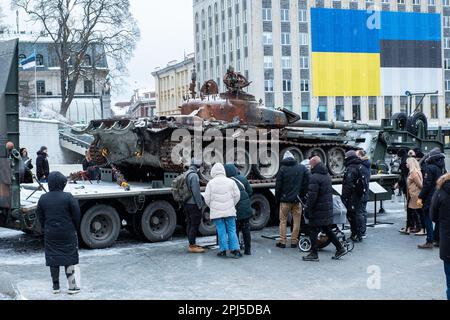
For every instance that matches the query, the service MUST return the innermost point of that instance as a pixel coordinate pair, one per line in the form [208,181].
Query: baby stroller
[339,218]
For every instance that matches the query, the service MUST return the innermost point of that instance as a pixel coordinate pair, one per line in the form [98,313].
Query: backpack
[361,186]
[181,191]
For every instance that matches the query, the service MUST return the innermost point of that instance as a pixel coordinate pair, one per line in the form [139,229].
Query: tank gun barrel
[338,125]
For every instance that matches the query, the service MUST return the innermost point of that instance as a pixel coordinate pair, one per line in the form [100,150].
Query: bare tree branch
[98,28]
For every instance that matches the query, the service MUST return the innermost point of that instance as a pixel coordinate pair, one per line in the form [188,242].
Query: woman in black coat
[440,211]
[27,166]
[59,215]
[319,209]
[42,167]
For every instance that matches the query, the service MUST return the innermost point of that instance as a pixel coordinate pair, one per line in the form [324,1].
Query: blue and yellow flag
[375,53]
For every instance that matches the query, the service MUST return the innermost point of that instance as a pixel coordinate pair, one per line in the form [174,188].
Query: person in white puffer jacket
[221,196]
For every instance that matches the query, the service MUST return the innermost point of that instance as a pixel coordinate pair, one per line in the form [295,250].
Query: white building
[270,41]
[172,85]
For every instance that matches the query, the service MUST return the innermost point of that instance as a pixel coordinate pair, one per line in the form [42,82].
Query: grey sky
[166,34]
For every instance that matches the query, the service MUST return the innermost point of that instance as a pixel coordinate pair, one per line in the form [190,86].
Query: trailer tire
[100,227]
[261,212]
[402,119]
[207,227]
[158,221]
[417,124]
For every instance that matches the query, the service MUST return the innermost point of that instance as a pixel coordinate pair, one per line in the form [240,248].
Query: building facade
[143,104]
[172,85]
[300,54]
[86,105]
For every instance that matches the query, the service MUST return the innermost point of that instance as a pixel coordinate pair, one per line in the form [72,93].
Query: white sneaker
[74,291]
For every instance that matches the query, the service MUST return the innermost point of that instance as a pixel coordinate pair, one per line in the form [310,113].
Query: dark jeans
[244,227]
[364,213]
[447,275]
[193,220]
[416,218]
[428,225]
[70,274]
[314,233]
[357,221]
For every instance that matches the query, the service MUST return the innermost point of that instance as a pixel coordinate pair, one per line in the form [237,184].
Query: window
[339,110]
[446,43]
[287,85]
[39,60]
[231,46]
[286,62]
[286,39]
[304,62]
[304,85]
[404,104]
[322,111]
[416,2]
[447,64]
[356,109]
[88,87]
[446,3]
[285,15]
[401,1]
[267,38]
[245,40]
[431,2]
[305,112]
[238,19]
[268,62]
[267,14]
[268,85]
[302,16]
[303,39]
[40,85]
[238,42]
[373,109]
[387,107]
[385,1]
[446,22]
[434,107]
[447,109]
[447,85]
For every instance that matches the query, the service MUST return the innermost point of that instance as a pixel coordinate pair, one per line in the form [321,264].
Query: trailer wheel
[261,212]
[417,124]
[159,221]
[100,227]
[207,227]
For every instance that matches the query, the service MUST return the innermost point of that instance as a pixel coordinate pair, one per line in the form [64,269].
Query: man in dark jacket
[440,211]
[193,207]
[291,187]
[319,209]
[42,167]
[435,168]
[352,195]
[59,215]
[244,209]
[404,171]
[367,165]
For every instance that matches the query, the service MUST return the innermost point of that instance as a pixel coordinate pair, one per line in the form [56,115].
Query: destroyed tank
[149,149]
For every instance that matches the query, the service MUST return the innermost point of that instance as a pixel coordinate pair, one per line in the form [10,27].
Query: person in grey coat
[193,207]
[59,216]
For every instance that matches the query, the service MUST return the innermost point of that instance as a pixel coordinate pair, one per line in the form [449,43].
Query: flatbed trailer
[149,213]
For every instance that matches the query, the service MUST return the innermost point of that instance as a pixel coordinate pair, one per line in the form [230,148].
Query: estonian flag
[29,62]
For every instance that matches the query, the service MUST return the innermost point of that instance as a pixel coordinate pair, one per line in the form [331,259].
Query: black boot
[340,253]
[313,257]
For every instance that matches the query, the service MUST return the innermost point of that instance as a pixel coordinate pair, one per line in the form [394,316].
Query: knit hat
[350,154]
[315,161]
[288,155]
[435,152]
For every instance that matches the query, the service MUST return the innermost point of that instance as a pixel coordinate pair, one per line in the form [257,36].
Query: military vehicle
[145,149]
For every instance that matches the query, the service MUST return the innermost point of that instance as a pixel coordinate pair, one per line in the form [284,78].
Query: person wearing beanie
[193,206]
[435,168]
[367,173]
[290,189]
[319,209]
[42,167]
[354,189]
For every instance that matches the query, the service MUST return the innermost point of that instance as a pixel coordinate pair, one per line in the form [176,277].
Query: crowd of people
[303,192]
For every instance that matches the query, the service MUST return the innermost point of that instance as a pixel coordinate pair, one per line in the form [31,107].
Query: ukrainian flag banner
[364,53]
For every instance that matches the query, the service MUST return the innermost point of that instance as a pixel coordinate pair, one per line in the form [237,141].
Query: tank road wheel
[261,212]
[207,227]
[241,158]
[159,221]
[316,152]
[336,157]
[268,169]
[100,227]
[296,152]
